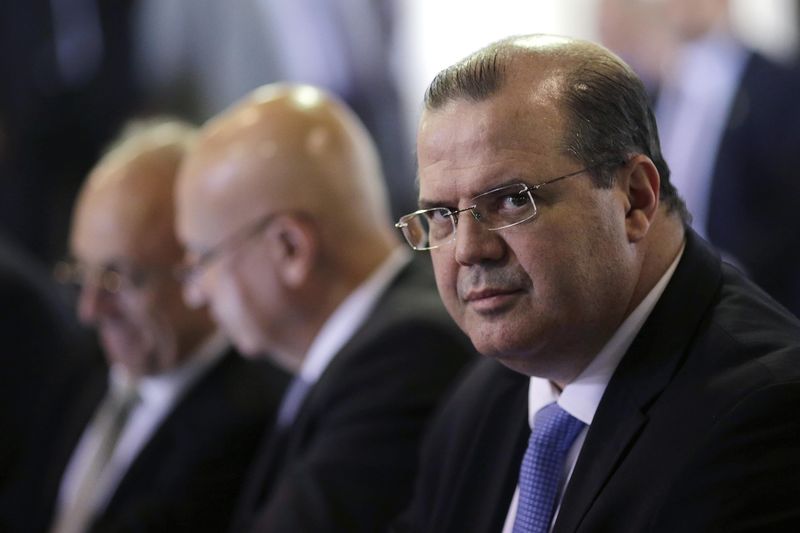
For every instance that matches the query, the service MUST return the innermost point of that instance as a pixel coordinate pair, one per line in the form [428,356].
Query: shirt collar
[582,396]
[163,388]
[351,313]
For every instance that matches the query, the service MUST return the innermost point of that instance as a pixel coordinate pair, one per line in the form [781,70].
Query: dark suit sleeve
[200,500]
[357,471]
[746,475]
[190,474]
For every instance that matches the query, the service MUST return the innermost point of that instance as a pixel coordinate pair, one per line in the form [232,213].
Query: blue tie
[542,469]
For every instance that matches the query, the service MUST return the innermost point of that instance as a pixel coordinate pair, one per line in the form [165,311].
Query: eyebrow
[429,204]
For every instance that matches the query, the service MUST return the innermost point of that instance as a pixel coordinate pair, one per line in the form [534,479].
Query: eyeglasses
[496,209]
[192,266]
[112,278]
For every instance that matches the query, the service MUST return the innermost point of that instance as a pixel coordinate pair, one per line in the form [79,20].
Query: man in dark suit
[284,214]
[159,438]
[634,382]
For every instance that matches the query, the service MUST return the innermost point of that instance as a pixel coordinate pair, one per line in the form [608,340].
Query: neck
[332,284]
[664,242]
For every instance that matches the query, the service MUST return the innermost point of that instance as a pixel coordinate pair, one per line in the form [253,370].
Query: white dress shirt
[158,395]
[582,396]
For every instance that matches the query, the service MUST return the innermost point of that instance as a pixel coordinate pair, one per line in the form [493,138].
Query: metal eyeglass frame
[403,223]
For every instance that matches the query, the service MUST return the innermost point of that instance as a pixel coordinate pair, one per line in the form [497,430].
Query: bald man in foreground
[283,210]
[159,438]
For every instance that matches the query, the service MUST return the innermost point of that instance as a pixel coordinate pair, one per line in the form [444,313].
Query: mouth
[491,300]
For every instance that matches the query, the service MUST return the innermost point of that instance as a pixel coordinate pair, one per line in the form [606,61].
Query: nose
[93,302]
[194,292]
[474,243]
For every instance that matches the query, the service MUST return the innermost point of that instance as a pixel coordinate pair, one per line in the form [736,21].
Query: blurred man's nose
[93,301]
[194,292]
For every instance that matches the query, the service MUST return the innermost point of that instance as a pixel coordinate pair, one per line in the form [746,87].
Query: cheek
[234,306]
[165,318]
[226,300]
[129,337]
[446,271]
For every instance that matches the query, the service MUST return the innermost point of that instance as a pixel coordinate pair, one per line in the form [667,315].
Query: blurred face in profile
[264,207]
[126,252]
[231,267]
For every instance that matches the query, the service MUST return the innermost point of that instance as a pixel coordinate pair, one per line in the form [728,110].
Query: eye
[440,215]
[506,203]
[514,201]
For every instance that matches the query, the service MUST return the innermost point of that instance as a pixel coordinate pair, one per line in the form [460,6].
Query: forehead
[466,147]
[124,220]
[219,190]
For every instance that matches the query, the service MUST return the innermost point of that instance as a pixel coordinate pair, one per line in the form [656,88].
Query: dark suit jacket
[188,475]
[40,336]
[348,461]
[755,187]
[697,431]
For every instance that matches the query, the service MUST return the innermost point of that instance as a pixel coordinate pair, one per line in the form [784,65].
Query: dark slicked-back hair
[606,106]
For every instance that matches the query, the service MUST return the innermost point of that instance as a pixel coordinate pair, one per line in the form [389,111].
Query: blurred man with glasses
[284,213]
[633,382]
[160,437]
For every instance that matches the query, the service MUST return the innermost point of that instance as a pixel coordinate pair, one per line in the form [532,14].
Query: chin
[246,347]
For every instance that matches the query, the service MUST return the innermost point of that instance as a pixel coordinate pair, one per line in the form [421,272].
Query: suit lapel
[642,375]
[501,473]
[76,421]
[174,428]
[483,455]
[404,285]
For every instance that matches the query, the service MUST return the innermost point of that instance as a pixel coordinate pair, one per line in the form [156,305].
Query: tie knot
[555,428]
[121,400]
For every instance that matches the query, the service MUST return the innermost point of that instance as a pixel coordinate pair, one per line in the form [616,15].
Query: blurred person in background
[635,30]
[157,439]
[195,57]
[67,88]
[284,213]
[729,119]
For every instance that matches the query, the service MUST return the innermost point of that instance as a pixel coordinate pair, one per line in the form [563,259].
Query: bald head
[290,148]
[128,196]
[283,201]
[123,228]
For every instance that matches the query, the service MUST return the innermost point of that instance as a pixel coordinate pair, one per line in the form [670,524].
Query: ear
[641,182]
[294,246]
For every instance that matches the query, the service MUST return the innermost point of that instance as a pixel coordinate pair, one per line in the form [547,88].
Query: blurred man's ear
[294,246]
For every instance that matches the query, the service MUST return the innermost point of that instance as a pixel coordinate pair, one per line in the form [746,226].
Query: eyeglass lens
[497,209]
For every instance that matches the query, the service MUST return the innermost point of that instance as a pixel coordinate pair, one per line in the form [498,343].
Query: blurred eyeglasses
[193,265]
[110,278]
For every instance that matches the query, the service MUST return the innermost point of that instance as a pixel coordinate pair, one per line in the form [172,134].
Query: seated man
[160,439]
[283,210]
[634,382]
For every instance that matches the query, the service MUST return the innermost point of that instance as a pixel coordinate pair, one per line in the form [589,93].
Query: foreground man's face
[535,292]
